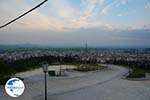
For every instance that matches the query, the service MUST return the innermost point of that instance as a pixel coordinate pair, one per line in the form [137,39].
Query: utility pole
[86,52]
[60,60]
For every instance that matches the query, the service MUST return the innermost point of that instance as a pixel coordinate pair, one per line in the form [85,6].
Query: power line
[23,14]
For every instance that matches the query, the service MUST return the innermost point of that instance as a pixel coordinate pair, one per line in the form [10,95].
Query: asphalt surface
[106,84]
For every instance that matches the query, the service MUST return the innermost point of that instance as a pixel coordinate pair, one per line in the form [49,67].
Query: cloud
[124,2]
[119,15]
[147,6]
[59,22]
[91,5]
[93,36]
[63,8]
[77,19]
[142,34]
[66,17]
[110,6]
[88,9]
[38,21]
[105,10]
[33,21]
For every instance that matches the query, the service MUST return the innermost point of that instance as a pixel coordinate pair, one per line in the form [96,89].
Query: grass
[88,67]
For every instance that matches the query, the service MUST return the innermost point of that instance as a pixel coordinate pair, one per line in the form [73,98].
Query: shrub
[88,67]
[136,73]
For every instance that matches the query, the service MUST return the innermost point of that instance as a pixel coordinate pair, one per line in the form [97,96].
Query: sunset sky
[76,22]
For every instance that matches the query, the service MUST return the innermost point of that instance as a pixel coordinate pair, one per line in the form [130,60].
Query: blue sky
[76,22]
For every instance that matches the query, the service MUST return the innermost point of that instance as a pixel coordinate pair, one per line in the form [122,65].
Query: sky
[119,23]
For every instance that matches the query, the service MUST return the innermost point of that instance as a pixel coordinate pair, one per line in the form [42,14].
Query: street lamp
[45,70]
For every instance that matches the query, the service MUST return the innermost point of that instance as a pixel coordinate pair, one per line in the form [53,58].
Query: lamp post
[129,67]
[60,60]
[86,53]
[45,70]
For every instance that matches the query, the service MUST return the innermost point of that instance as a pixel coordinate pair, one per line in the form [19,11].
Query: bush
[4,79]
[88,67]
[137,73]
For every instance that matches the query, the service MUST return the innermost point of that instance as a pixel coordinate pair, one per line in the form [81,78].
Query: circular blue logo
[14,87]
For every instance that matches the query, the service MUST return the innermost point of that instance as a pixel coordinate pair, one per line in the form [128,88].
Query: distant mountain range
[35,47]
[21,47]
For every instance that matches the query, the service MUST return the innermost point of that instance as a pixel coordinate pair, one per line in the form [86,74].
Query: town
[101,56]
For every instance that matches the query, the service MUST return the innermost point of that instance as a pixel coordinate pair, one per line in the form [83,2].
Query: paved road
[101,85]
